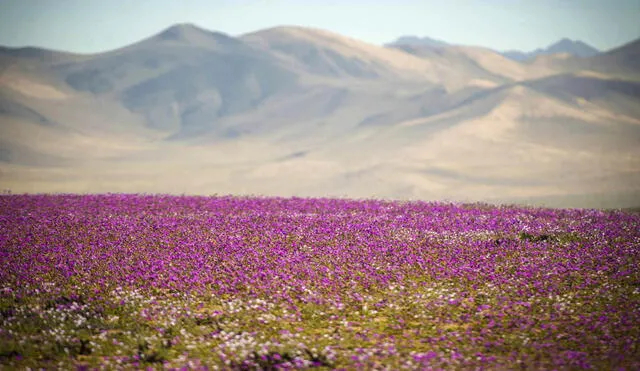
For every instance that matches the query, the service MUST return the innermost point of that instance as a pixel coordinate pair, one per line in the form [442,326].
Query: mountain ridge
[576,48]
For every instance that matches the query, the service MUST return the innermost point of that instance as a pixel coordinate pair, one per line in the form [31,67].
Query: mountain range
[575,48]
[307,112]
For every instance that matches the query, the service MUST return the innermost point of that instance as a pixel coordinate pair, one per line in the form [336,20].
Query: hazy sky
[98,25]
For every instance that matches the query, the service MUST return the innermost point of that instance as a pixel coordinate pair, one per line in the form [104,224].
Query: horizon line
[384,45]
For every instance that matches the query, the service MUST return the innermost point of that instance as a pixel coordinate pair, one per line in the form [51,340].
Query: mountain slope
[625,58]
[181,80]
[476,65]
[622,62]
[323,53]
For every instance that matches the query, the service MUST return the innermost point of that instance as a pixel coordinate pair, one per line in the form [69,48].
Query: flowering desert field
[135,281]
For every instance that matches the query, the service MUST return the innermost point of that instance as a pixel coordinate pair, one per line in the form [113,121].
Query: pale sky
[98,25]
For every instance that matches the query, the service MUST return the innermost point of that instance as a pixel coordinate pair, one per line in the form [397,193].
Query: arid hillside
[307,112]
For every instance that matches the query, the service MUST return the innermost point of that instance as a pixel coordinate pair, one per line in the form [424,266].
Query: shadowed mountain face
[300,111]
[625,59]
[192,98]
[183,80]
[572,87]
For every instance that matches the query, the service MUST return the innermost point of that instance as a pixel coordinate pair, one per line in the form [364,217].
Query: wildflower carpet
[137,281]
